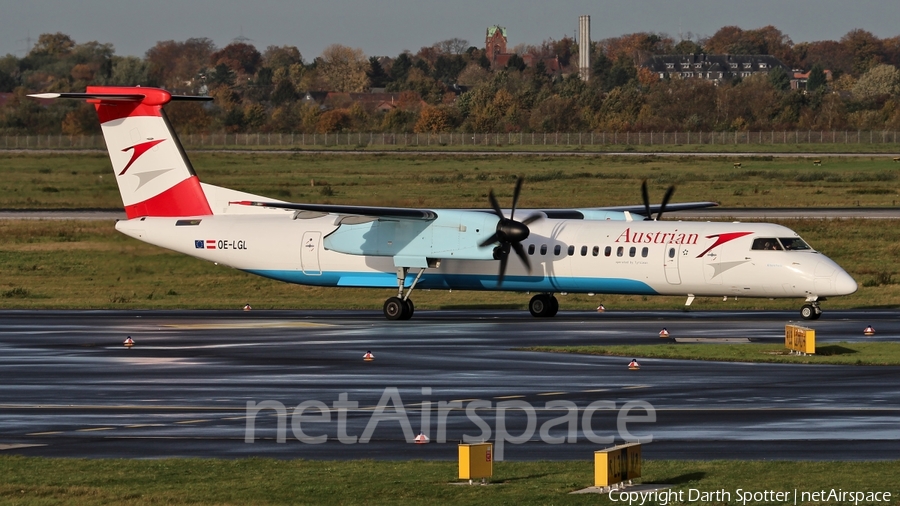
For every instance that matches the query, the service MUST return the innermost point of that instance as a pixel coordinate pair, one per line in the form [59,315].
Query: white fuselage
[576,256]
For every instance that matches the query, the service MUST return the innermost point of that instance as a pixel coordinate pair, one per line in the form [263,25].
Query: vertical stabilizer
[154,175]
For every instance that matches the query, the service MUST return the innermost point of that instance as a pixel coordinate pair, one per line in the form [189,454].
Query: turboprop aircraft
[614,250]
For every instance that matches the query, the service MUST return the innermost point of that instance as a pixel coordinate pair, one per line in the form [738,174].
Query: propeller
[662,206]
[509,233]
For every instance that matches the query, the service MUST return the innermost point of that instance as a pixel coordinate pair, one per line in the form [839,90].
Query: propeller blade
[503,260]
[516,197]
[495,205]
[533,218]
[665,200]
[520,252]
[490,240]
[646,197]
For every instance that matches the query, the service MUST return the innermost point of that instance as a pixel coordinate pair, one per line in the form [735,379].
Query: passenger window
[632,251]
[794,243]
[766,243]
[620,251]
[531,249]
[671,252]
[543,249]
[584,251]
[645,251]
[596,251]
[608,251]
[557,249]
[571,250]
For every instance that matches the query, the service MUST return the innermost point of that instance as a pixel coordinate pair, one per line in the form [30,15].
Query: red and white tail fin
[154,175]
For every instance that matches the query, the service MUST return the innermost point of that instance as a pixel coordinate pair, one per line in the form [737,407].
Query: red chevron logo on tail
[139,149]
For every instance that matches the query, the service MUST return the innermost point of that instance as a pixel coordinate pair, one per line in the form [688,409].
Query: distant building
[496,52]
[800,79]
[712,67]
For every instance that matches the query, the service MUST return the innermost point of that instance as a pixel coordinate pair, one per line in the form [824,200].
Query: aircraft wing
[318,210]
[654,208]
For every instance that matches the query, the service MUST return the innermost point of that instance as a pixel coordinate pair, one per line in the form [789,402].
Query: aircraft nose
[844,284]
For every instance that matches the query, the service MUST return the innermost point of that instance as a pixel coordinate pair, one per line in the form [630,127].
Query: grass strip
[266,481]
[842,353]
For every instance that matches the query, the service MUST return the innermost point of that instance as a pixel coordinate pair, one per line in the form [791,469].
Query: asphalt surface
[70,388]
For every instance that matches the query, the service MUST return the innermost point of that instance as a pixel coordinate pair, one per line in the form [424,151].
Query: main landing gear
[543,305]
[811,310]
[401,307]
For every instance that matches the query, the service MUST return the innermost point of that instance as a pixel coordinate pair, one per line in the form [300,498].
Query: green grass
[40,180]
[264,481]
[842,353]
[87,264]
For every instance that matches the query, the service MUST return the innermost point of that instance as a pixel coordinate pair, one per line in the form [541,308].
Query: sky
[387,28]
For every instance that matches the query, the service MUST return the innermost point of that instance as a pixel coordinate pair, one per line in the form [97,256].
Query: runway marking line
[193,421]
[142,425]
[633,387]
[95,429]
[596,390]
[465,400]
[51,433]
[18,446]
[553,393]
[245,325]
[236,418]
[510,397]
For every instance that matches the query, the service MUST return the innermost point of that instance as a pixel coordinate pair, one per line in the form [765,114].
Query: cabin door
[309,253]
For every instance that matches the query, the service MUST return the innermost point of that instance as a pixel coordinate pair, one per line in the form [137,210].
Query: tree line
[451,86]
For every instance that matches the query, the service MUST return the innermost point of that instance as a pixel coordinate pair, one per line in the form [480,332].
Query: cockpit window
[766,243]
[794,244]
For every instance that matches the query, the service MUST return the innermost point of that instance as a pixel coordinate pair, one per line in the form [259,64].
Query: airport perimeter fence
[535,140]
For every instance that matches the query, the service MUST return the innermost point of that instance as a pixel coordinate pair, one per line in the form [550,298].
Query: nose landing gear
[811,311]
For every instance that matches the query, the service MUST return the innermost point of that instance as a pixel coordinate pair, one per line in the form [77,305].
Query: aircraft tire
[395,309]
[541,305]
[554,306]
[410,308]
[808,312]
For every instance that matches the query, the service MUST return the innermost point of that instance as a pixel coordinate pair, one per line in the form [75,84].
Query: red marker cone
[663,333]
[247,307]
[870,331]
[129,342]
[422,439]
[600,308]
[368,357]
[633,365]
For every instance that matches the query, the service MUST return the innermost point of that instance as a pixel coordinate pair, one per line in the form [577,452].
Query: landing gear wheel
[554,306]
[810,312]
[410,309]
[395,309]
[543,305]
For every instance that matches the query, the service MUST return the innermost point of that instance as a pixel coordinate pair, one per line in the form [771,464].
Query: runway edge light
[476,461]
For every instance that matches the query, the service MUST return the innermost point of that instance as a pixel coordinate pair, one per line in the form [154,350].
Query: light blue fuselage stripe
[463,282]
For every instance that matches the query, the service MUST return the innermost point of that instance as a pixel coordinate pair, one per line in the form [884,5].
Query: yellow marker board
[476,461]
[617,464]
[800,339]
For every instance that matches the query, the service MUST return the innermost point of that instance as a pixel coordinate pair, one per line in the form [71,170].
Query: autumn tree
[879,81]
[277,57]
[172,64]
[344,68]
[240,57]
[865,49]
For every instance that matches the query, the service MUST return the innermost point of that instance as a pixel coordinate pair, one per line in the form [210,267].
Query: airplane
[612,250]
